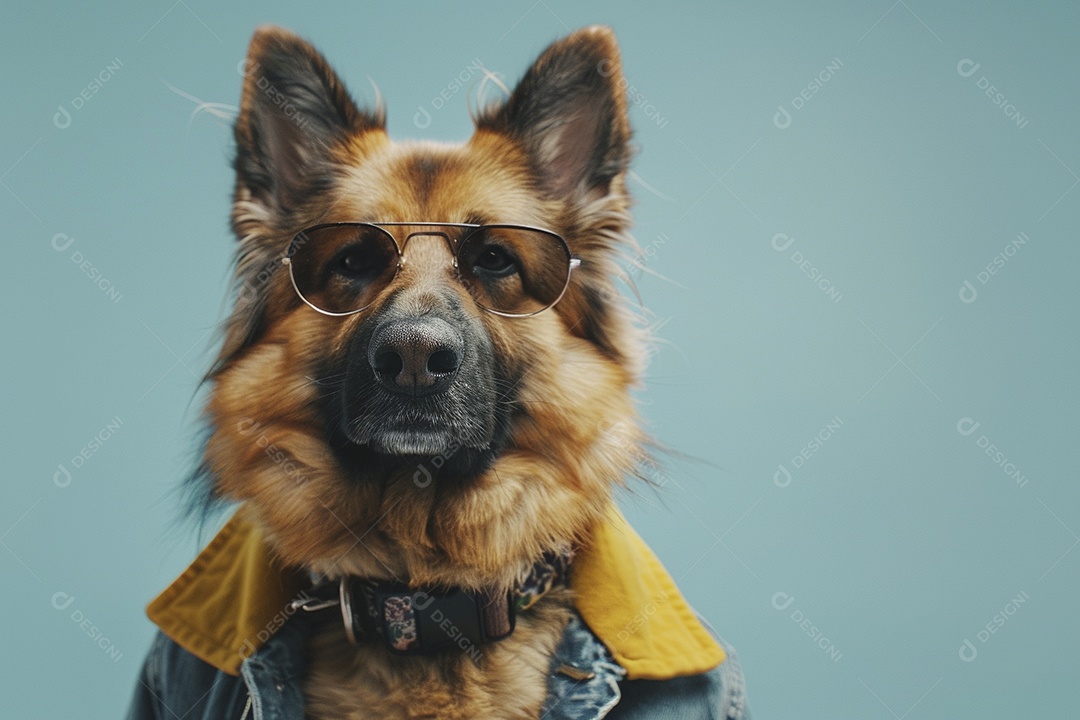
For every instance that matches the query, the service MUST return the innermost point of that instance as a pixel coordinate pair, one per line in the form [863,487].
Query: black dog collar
[417,620]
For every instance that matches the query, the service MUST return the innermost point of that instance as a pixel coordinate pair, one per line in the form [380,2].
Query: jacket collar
[235,596]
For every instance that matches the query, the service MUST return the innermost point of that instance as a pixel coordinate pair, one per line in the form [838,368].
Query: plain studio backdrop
[859,257]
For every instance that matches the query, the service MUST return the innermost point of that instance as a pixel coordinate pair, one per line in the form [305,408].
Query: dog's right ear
[293,113]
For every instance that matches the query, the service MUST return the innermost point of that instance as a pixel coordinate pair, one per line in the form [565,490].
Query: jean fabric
[584,683]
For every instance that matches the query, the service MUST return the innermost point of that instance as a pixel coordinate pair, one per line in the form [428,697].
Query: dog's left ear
[569,114]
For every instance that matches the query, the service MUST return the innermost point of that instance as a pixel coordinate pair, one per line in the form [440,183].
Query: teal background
[898,537]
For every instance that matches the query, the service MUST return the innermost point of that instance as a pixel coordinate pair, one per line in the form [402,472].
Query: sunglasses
[510,270]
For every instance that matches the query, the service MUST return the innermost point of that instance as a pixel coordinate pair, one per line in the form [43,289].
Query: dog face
[423,436]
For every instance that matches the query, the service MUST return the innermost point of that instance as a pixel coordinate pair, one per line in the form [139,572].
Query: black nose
[418,356]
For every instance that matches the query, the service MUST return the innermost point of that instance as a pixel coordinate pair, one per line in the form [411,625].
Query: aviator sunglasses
[511,270]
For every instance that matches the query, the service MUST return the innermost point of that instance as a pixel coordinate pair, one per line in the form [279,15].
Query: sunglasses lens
[514,270]
[342,268]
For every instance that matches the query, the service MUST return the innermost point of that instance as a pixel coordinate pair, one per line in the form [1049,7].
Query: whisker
[328,380]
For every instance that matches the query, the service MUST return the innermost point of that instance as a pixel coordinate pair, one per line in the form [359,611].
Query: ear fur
[294,113]
[569,113]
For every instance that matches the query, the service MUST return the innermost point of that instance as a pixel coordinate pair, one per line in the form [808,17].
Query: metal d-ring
[345,600]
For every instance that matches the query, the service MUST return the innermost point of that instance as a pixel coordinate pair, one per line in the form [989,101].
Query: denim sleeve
[174,684]
[146,702]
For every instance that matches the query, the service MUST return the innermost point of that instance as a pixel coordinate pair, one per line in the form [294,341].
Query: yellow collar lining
[235,595]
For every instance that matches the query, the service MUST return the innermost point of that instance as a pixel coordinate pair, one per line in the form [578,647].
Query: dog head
[451,425]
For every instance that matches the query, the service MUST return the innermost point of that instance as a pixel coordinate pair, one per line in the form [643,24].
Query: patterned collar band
[417,620]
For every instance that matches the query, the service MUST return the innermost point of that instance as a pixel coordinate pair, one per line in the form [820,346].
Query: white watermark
[63,117]
[782,601]
[968,67]
[420,602]
[278,456]
[423,477]
[248,648]
[63,477]
[279,99]
[782,118]
[61,242]
[968,292]
[631,272]
[782,242]
[422,117]
[62,601]
[782,476]
[643,616]
[967,427]
[968,650]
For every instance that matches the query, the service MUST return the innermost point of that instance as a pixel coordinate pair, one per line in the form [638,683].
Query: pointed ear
[294,110]
[569,113]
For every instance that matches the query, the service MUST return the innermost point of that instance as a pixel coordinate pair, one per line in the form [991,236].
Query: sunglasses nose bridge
[404,243]
[427,255]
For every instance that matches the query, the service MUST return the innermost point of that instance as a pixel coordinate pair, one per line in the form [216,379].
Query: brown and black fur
[547,428]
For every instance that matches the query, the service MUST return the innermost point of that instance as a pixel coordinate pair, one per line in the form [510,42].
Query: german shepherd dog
[433,334]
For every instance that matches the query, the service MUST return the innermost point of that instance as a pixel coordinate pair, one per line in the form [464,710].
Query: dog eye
[354,262]
[495,261]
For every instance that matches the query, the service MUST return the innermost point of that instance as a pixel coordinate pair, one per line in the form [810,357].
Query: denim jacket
[612,661]
[176,684]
